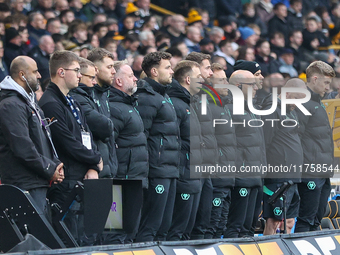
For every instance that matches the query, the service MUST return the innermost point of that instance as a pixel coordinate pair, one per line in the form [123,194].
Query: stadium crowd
[120,97]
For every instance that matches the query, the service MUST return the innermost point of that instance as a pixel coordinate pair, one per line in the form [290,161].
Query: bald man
[283,148]
[250,152]
[27,158]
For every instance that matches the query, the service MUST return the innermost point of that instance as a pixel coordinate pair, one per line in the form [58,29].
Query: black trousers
[219,212]
[314,195]
[241,214]
[204,210]
[157,210]
[185,207]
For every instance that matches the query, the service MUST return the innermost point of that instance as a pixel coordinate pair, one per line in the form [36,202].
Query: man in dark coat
[27,156]
[70,133]
[318,149]
[283,148]
[162,132]
[279,22]
[129,137]
[187,73]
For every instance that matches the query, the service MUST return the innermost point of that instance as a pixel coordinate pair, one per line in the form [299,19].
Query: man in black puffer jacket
[100,125]
[283,148]
[250,153]
[223,182]
[188,190]
[103,60]
[131,144]
[318,149]
[161,129]
[209,150]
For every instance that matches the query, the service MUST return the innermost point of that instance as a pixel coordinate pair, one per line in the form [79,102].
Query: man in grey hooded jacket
[28,159]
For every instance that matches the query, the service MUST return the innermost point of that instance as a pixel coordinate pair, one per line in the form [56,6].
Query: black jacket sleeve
[147,111]
[100,126]
[62,135]
[14,123]
[118,120]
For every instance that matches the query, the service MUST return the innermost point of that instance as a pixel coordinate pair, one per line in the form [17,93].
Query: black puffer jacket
[160,127]
[100,125]
[283,145]
[66,135]
[250,148]
[26,155]
[132,152]
[210,148]
[180,97]
[226,141]
[316,137]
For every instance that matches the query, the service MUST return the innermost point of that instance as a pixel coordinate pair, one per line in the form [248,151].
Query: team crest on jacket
[159,189]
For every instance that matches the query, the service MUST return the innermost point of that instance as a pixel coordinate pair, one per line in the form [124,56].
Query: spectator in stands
[294,18]
[246,53]
[28,158]
[128,46]
[26,45]
[176,28]
[248,36]
[295,42]
[312,30]
[74,146]
[92,8]
[41,54]
[150,23]
[182,91]
[76,6]
[216,35]
[226,51]
[316,136]
[279,22]
[182,47]
[128,26]
[101,30]
[195,20]
[12,46]
[3,67]
[137,65]
[277,43]
[206,46]
[147,38]
[264,59]
[17,6]
[286,61]
[335,14]
[155,106]
[228,7]
[162,41]
[264,10]
[109,7]
[132,149]
[144,7]
[36,27]
[44,6]
[111,45]
[221,61]
[248,17]
[59,6]
[192,39]
[78,31]
[53,26]
[99,18]
[66,18]
[5,11]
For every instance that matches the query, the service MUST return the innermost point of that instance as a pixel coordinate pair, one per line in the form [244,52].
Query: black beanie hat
[251,66]
[11,33]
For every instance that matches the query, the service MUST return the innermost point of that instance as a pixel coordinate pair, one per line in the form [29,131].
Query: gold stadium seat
[328,220]
[333,112]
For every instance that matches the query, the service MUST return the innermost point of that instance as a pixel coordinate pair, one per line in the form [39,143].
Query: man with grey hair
[41,54]
[147,38]
[176,28]
[216,35]
[193,38]
[132,151]
[36,27]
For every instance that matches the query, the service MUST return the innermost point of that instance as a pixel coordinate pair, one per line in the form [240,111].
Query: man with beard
[250,152]
[161,129]
[209,150]
[283,148]
[28,159]
[98,117]
[222,183]
[70,133]
[183,90]
[132,152]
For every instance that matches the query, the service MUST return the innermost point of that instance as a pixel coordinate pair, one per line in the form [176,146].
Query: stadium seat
[330,213]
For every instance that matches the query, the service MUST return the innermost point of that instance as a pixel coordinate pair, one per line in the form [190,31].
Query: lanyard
[74,110]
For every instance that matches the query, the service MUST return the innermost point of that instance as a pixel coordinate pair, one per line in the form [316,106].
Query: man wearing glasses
[90,96]
[70,134]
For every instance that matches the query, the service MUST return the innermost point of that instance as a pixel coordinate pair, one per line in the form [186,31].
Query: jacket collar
[157,87]
[117,95]
[54,88]
[314,96]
